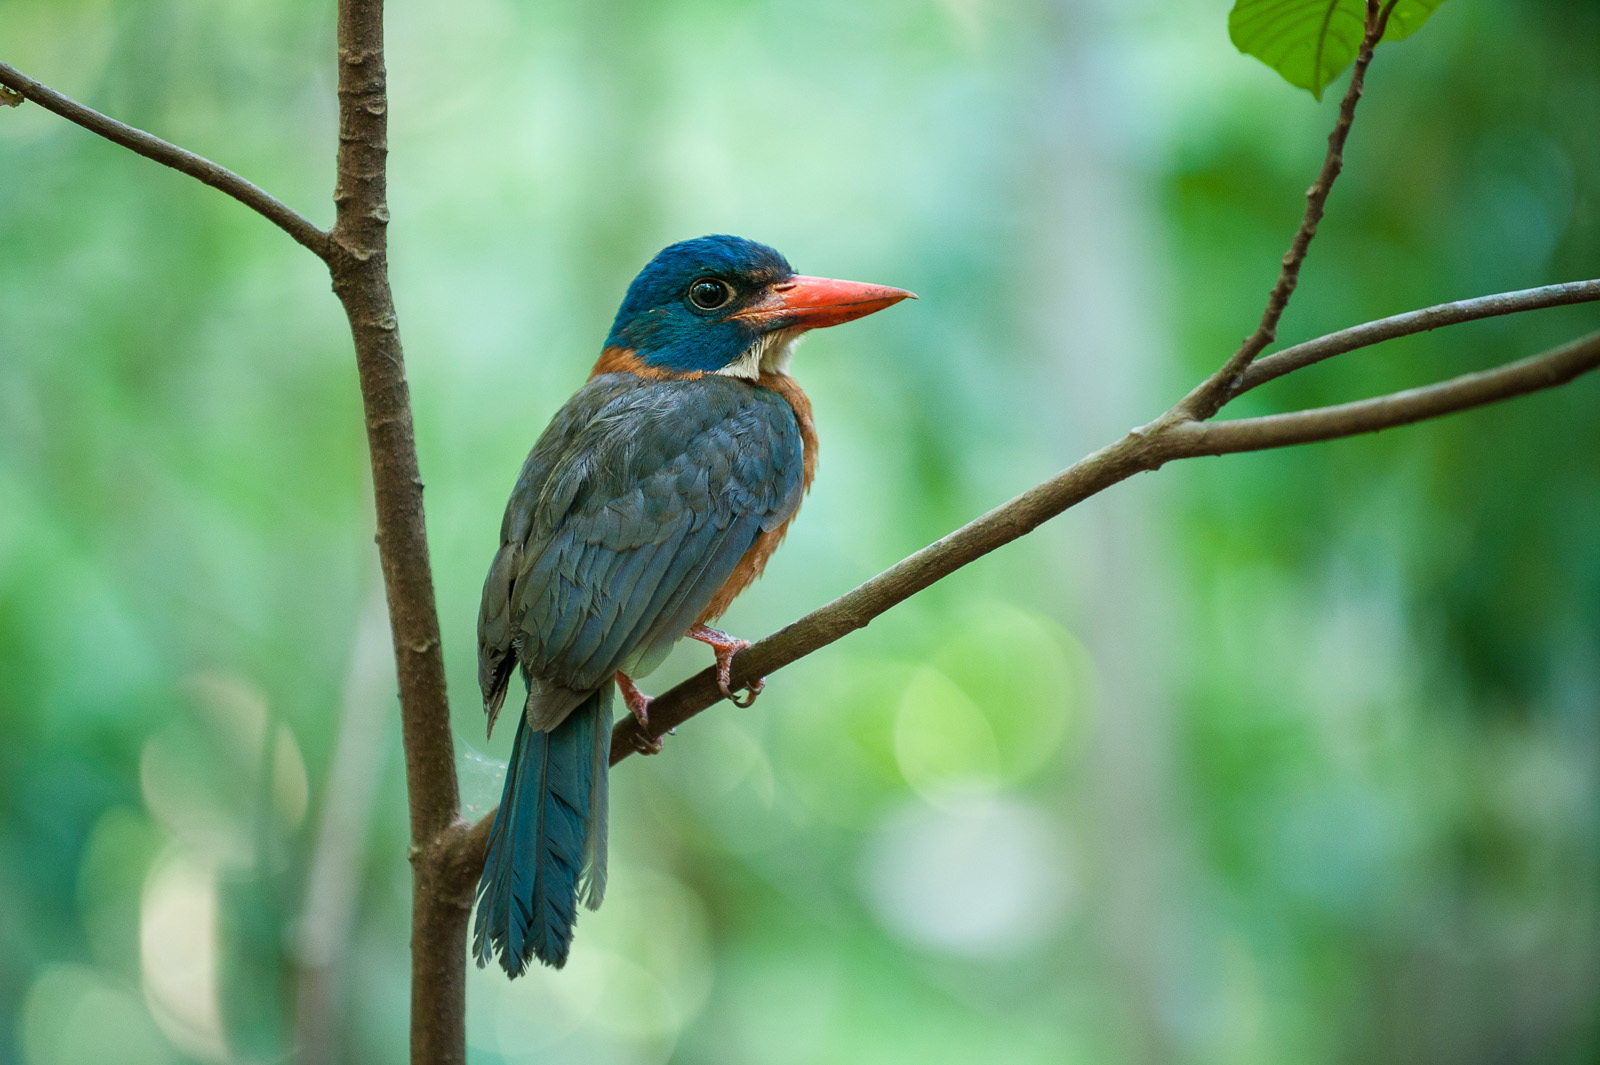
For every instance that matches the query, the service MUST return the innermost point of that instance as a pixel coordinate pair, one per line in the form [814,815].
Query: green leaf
[1310,41]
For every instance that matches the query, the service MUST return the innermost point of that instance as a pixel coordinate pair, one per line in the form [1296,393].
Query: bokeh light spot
[75,1015]
[981,877]
[942,740]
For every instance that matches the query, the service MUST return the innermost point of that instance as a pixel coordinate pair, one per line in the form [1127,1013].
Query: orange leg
[638,704]
[726,647]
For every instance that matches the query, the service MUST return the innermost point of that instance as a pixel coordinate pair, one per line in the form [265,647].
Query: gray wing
[632,511]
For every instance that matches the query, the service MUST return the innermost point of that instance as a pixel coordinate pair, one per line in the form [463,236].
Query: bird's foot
[638,704]
[726,647]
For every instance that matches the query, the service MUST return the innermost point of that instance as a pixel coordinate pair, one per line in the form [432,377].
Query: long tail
[547,847]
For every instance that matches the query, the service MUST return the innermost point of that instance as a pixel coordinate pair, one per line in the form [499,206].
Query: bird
[655,496]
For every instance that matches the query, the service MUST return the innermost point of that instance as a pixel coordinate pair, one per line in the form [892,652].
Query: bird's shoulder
[622,435]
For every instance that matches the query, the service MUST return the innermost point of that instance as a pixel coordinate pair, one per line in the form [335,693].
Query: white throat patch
[769,354]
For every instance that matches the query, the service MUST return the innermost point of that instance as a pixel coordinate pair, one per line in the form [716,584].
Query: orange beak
[802,302]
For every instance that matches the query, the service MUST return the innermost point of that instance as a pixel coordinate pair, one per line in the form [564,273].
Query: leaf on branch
[1310,41]
[10,97]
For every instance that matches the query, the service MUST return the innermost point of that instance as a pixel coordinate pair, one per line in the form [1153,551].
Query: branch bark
[1326,347]
[1555,367]
[167,154]
[356,252]
[1209,396]
[358,261]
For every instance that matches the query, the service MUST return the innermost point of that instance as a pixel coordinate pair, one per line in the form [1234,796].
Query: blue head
[721,303]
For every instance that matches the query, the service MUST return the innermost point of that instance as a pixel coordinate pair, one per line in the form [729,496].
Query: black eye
[708,293]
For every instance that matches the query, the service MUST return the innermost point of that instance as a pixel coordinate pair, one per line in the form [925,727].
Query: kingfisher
[654,497]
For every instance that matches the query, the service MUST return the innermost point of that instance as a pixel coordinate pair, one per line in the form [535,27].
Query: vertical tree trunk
[359,263]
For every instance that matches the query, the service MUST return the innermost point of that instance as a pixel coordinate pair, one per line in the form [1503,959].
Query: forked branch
[1209,396]
[356,252]
[1532,374]
[1400,325]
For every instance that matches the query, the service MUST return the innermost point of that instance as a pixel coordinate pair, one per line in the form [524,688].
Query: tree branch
[857,608]
[1312,351]
[1175,435]
[1172,436]
[356,251]
[359,264]
[1215,390]
[358,261]
[1555,367]
[167,154]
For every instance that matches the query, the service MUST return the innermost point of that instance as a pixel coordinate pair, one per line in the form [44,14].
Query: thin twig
[1211,394]
[1532,374]
[167,154]
[1325,347]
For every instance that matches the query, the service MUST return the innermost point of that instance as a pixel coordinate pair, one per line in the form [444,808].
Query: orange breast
[755,559]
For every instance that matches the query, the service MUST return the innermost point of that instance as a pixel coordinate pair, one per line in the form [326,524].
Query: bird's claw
[726,647]
[638,704]
[752,689]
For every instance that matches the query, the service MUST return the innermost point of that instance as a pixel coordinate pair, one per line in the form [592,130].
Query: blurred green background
[1291,757]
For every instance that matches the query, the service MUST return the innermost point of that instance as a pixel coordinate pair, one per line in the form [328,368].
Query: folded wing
[631,512]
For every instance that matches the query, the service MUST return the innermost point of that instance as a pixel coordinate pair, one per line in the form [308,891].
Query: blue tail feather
[548,841]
